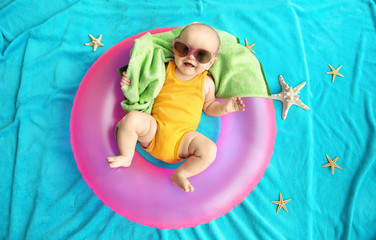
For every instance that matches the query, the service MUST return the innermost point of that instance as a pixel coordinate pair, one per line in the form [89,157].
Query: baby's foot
[182,182]
[119,161]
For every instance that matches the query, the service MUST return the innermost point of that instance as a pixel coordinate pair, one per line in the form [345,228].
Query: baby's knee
[130,120]
[209,150]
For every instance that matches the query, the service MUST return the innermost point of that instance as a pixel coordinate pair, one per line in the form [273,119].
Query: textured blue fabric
[43,60]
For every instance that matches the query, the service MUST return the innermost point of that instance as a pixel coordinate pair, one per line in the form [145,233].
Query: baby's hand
[234,104]
[124,80]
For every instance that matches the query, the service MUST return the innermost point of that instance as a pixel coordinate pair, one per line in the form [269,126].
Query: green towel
[236,73]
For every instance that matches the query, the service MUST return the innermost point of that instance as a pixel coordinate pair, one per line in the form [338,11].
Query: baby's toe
[188,187]
[185,187]
[114,165]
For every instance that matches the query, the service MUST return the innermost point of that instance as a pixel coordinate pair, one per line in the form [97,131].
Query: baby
[169,133]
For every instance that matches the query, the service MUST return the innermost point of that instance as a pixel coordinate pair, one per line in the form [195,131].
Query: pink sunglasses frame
[192,50]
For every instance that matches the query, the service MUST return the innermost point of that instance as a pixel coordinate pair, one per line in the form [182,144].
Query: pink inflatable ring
[143,192]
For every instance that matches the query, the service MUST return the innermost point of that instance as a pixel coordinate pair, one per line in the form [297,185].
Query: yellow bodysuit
[177,110]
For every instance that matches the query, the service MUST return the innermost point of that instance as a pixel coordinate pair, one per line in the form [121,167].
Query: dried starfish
[281,203]
[289,96]
[335,72]
[332,163]
[249,46]
[95,42]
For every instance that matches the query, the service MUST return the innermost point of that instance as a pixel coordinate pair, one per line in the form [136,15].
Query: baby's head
[204,43]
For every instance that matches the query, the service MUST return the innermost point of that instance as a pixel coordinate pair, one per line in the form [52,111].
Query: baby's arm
[214,108]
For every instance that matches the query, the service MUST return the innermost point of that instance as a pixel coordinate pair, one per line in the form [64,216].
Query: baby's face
[198,37]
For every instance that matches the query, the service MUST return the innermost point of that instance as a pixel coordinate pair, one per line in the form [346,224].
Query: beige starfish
[332,163]
[95,42]
[281,203]
[249,46]
[335,72]
[289,96]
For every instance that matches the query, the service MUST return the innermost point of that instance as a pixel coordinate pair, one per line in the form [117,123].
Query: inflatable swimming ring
[143,193]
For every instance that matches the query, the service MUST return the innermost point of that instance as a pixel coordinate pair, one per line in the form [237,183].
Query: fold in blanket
[237,72]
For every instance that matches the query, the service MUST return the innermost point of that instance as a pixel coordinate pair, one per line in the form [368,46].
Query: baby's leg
[134,126]
[201,152]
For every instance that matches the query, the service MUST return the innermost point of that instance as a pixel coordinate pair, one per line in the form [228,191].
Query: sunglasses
[201,55]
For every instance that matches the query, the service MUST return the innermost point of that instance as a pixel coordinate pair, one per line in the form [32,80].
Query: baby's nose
[191,56]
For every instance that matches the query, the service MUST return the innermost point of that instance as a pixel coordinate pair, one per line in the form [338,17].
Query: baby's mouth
[187,64]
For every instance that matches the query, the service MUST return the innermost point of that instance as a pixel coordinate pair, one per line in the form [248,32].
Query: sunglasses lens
[181,49]
[203,56]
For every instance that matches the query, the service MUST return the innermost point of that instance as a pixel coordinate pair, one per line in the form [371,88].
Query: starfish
[332,163]
[335,72]
[249,46]
[281,203]
[289,96]
[95,42]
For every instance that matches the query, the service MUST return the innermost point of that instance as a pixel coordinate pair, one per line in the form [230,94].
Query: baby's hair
[206,25]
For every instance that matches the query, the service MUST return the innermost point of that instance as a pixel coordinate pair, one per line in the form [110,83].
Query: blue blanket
[43,60]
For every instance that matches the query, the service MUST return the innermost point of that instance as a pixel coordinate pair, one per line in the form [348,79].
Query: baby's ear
[213,61]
